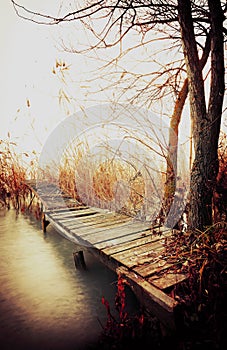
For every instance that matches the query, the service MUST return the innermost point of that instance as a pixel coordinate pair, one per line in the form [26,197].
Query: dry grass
[110,184]
[12,175]
[220,193]
[104,180]
[116,181]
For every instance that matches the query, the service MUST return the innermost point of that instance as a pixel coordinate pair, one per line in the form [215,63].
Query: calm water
[45,303]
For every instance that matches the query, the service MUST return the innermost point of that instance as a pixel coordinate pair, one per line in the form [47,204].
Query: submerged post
[45,222]
[79,260]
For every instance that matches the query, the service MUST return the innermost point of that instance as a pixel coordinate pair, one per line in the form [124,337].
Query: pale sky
[27,58]
[28,55]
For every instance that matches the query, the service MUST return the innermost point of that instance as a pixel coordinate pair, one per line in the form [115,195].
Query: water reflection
[44,302]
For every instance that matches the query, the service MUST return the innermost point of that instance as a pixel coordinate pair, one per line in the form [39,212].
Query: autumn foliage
[122,329]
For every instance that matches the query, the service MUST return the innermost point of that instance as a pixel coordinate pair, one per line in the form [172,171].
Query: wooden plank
[141,259]
[148,248]
[93,227]
[70,214]
[94,222]
[52,195]
[96,218]
[167,279]
[91,222]
[117,248]
[70,234]
[76,213]
[92,230]
[110,233]
[56,203]
[56,206]
[152,298]
[67,234]
[56,200]
[75,222]
[63,210]
[118,236]
[53,206]
[110,218]
[121,239]
[152,267]
[108,237]
[105,239]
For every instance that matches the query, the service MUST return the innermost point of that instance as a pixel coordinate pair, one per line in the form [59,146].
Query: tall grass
[107,181]
[110,184]
[12,175]
[104,180]
[220,192]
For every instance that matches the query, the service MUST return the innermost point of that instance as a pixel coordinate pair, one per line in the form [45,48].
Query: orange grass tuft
[12,175]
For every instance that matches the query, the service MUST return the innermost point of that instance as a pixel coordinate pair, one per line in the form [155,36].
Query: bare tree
[206,120]
[197,27]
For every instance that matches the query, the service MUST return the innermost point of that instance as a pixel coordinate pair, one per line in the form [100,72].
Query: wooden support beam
[79,260]
[153,299]
[45,222]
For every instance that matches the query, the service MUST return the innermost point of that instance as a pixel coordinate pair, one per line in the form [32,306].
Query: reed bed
[102,179]
[110,184]
[12,175]
[110,181]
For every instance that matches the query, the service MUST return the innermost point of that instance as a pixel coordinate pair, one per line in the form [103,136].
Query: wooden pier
[130,247]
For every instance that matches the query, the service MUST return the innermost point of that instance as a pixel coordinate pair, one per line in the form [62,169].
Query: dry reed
[12,175]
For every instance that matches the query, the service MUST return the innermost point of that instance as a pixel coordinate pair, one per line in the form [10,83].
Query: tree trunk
[171,169]
[205,124]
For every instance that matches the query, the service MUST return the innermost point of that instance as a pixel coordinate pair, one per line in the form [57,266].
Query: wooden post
[45,222]
[79,260]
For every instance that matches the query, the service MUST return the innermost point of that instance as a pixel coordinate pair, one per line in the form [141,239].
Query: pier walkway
[130,247]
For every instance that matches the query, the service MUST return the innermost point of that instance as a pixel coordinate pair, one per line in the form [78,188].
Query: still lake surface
[45,303]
